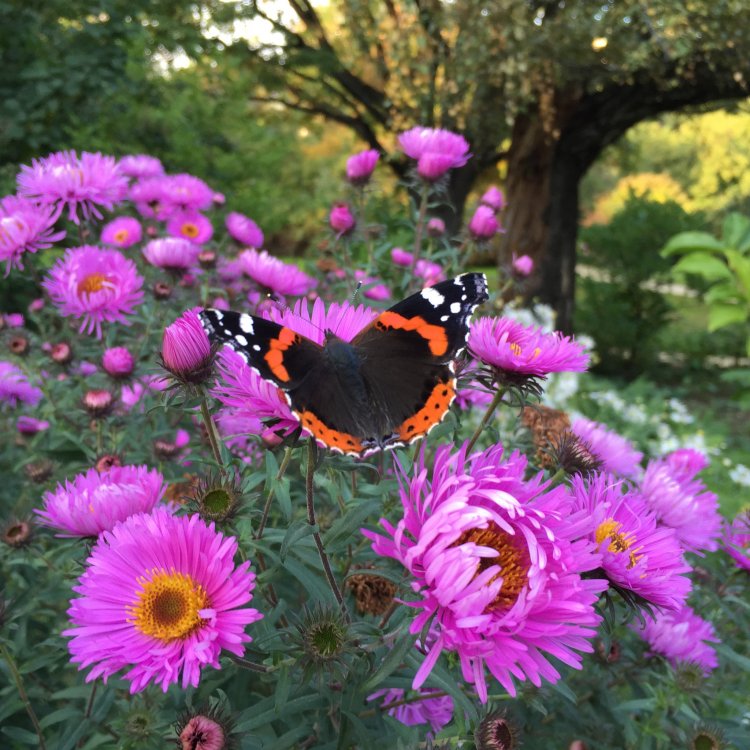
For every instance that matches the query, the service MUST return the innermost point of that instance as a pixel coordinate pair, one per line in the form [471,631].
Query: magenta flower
[616,453]
[273,274]
[522,265]
[25,227]
[118,362]
[95,285]
[517,350]
[401,257]
[737,540]
[14,320]
[122,232]
[95,502]
[682,637]
[237,428]
[437,712]
[63,179]
[494,198]
[186,350]
[483,224]
[683,502]
[244,230]
[15,388]
[429,272]
[190,225]
[496,563]
[342,219]
[140,166]
[160,597]
[172,253]
[147,196]
[435,150]
[30,425]
[685,463]
[472,394]
[360,166]
[637,554]
[372,288]
[184,192]
[435,227]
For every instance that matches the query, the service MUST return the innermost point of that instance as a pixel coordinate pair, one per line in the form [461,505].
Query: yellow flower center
[168,605]
[121,235]
[512,558]
[190,230]
[618,542]
[518,351]
[94,282]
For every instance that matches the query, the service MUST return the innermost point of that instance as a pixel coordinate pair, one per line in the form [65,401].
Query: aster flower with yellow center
[496,562]
[638,554]
[160,597]
[123,232]
[190,225]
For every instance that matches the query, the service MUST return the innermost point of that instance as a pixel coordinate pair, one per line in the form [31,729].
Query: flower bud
[523,265]
[359,167]
[435,227]
[493,198]
[97,402]
[186,351]
[106,462]
[61,353]
[341,219]
[30,425]
[17,533]
[18,345]
[118,362]
[162,290]
[483,224]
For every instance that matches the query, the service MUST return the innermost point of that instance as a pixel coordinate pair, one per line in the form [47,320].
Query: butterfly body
[388,386]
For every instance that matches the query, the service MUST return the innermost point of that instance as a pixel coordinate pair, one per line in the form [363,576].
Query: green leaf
[298,529]
[346,529]
[282,689]
[743,662]
[708,266]
[735,230]
[264,712]
[720,315]
[740,265]
[392,661]
[687,242]
[22,735]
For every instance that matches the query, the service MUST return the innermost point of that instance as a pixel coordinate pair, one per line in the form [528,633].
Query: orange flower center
[169,605]
[94,282]
[190,230]
[121,235]
[618,542]
[512,559]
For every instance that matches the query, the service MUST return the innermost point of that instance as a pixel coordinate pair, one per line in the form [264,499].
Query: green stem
[89,709]
[309,492]
[485,419]
[213,437]
[251,665]
[272,492]
[420,226]
[22,692]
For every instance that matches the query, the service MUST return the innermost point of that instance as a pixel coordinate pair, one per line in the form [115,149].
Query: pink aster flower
[483,224]
[15,388]
[685,463]
[473,393]
[496,563]
[437,712]
[95,502]
[682,637]
[637,553]
[342,219]
[494,198]
[184,192]
[360,166]
[616,453]
[118,362]
[140,166]
[435,150]
[683,502]
[527,351]
[737,540]
[401,257]
[435,227]
[186,350]
[30,425]
[85,183]
[372,288]
[122,232]
[14,320]
[202,733]
[95,285]
[25,227]
[244,230]
[238,428]
[190,225]
[522,265]
[147,195]
[160,597]
[273,274]
[172,253]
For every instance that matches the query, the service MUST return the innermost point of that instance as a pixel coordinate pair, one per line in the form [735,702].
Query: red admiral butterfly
[390,386]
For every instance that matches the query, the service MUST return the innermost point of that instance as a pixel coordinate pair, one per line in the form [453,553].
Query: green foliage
[724,265]
[616,307]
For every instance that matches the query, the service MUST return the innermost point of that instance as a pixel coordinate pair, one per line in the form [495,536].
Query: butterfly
[386,388]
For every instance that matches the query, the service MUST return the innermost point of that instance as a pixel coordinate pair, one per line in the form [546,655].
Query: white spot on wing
[256,347]
[443,318]
[456,308]
[433,296]
[240,339]
[246,323]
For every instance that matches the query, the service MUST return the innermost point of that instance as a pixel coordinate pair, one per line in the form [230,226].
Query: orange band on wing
[342,441]
[434,335]
[430,414]
[275,355]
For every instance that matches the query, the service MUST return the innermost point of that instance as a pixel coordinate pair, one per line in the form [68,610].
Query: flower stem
[420,226]
[309,492]
[251,665]
[213,437]
[22,692]
[272,492]
[485,419]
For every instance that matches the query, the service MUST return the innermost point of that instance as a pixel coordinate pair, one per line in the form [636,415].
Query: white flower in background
[740,474]
[635,413]
[679,413]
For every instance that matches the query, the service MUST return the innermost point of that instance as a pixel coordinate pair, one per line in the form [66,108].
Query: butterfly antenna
[356,293]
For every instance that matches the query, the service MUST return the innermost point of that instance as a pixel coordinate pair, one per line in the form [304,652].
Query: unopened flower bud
[61,353]
[97,402]
[186,351]
[18,345]
[341,219]
[162,290]
[118,362]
